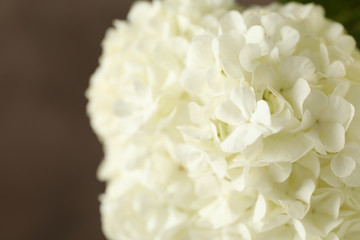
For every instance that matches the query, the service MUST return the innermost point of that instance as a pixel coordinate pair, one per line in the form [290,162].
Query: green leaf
[346,12]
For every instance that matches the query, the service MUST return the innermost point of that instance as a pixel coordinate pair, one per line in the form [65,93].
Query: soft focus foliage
[227,123]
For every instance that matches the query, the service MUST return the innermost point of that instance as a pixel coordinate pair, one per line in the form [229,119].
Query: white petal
[253,133]
[275,222]
[217,213]
[353,132]
[200,54]
[138,11]
[325,212]
[261,114]
[229,113]
[123,109]
[306,190]
[279,172]
[233,21]
[342,165]
[243,231]
[324,55]
[296,67]
[207,186]
[271,22]
[341,89]
[330,204]
[260,208]
[346,43]
[316,102]
[312,163]
[295,209]
[214,80]
[263,76]
[241,137]
[338,110]
[275,54]
[233,69]
[332,136]
[298,94]
[251,153]
[354,179]
[290,38]
[299,229]
[285,148]
[329,177]
[248,55]
[307,121]
[244,99]
[313,136]
[238,178]
[230,45]
[255,34]
[201,133]
[193,80]
[352,150]
[197,113]
[332,236]
[219,167]
[336,70]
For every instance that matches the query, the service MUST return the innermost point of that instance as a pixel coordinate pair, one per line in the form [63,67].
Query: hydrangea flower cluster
[226,123]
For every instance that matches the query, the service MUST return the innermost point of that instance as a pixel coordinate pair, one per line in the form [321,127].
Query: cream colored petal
[233,20]
[248,56]
[275,222]
[312,163]
[244,99]
[241,137]
[123,109]
[197,113]
[229,113]
[295,67]
[272,22]
[294,208]
[297,95]
[260,208]
[279,172]
[219,167]
[217,214]
[261,115]
[336,70]
[338,110]
[200,53]
[316,102]
[285,148]
[306,189]
[332,136]
[244,232]
[290,38]
[230,45]
[314,137]
[193,80]
[300,229]
[329,177]
[255,34]
[342,165]
[353,180]
[201,133]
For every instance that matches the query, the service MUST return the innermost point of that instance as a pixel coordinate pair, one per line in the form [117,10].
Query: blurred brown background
[48,153]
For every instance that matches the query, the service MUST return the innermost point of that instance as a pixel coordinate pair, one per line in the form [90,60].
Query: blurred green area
[346,12]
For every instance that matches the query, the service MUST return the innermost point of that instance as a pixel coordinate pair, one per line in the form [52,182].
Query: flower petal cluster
[220,122]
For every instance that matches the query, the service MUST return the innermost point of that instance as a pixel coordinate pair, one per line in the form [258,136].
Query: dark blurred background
[48,153]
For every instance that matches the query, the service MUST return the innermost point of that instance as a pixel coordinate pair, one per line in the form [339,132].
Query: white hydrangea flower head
[220,122]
